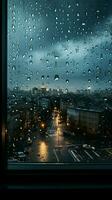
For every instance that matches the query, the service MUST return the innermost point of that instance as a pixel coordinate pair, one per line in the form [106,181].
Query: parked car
[21,156]
[88,146]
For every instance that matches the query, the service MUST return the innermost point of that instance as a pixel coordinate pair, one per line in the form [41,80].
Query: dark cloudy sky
[60,44]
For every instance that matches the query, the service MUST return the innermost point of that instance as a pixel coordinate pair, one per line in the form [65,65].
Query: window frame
[38,175]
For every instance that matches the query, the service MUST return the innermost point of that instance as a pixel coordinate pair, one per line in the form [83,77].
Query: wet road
[47,149]
[55,148]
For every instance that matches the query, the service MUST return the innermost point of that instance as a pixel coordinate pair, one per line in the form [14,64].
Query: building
[65,104]
[87,120]
[35,91]
[107,121]
[44,102]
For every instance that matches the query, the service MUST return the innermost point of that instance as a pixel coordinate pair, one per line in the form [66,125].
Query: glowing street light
[42,125]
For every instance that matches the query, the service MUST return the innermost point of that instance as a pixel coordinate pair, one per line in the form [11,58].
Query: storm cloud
[68,38]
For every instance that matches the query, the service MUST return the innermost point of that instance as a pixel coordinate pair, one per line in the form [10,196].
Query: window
[59,81]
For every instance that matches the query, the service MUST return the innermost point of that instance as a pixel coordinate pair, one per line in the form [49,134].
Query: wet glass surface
[59,105]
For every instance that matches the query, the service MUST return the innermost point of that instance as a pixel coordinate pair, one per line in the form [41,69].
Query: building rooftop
[88,110]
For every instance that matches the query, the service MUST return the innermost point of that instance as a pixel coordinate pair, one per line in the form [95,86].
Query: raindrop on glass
[28,78]
[67,63]
[56,77]
[83,24]
[13,67]
[78,14]
[97,77]
[30,62]
[89,80]
[67,81]
[42,77]
[77,4]
[56,57]
[101,56]
[30,56]
[89,71]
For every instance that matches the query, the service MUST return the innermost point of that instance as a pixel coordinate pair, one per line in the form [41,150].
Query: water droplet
[42,77]
[110,62]
[77,4]
[28,78]
[97,77]
[89,71]
[32,15]
[47,29]
[98,11]
[101,56]
[69,6]
[56,77]
[66,90]
[30,56]
[109,81]
[23,56]
[84,73]
[89,87]
[31,48]
[105,99]
[78,14]
[67,63]
[56,57]
[97,67]
[83,24]
[31,39]
[13,67]
[67,81]
[30,62]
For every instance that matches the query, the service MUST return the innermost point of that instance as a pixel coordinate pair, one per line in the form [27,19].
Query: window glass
[59,106]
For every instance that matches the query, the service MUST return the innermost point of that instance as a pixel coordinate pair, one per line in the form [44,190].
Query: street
[56,148]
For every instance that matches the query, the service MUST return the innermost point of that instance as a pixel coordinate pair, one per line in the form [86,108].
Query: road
[55,148]
[47,149]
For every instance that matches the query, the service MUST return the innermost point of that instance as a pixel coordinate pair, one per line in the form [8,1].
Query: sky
[62,44]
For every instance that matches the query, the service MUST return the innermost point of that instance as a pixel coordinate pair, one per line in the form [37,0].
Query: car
[88,146]
[21,156]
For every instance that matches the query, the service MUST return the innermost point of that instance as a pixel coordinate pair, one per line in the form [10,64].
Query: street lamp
[42,125]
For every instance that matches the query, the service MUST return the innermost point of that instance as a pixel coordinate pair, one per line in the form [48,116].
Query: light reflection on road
[43,148]
[43,151]
[58,129]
